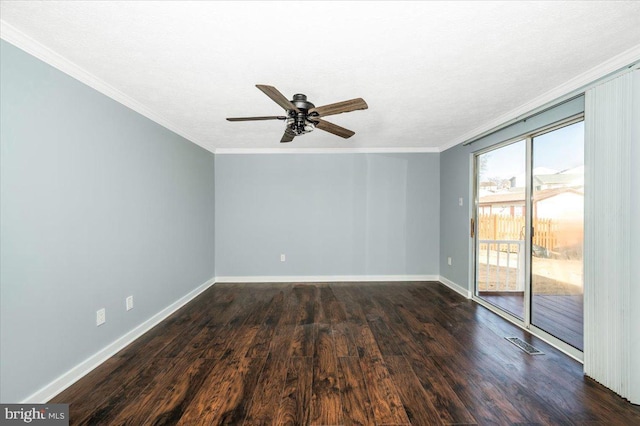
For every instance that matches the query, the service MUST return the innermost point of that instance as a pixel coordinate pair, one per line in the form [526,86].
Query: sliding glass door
[557,207]
[528,231]
[500,218]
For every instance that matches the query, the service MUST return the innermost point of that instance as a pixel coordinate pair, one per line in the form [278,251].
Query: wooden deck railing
[497,227]
[500,265]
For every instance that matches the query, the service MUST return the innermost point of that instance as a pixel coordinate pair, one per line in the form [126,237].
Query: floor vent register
[524,346]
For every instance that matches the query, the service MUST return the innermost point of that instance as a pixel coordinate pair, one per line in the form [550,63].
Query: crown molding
[19,39]
[626,59]
[325,150]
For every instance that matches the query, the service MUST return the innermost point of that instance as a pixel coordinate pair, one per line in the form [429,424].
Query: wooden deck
[559,315]
[332,354]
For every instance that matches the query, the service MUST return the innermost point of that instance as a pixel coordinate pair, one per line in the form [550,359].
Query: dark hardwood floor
[344,353]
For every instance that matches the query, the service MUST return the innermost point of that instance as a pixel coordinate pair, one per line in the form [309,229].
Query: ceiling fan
[303,116]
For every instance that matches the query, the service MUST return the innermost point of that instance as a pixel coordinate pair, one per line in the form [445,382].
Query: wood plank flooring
[338,354]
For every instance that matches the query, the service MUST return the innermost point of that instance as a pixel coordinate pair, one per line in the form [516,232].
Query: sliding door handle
[472,232]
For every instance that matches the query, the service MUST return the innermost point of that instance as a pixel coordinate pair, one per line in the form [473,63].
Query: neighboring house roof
[518,198]
[557,179]
[510,198]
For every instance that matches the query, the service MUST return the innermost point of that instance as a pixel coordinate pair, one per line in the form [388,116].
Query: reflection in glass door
[500,218]
[557,206]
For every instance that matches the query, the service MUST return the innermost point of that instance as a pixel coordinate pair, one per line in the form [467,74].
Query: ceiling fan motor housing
[297,121]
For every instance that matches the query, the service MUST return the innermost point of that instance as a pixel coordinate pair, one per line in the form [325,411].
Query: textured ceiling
[431,72]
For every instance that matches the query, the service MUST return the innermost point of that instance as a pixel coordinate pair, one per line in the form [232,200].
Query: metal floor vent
[524,346]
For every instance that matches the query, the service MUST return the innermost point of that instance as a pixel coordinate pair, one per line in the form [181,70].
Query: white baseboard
[76,373]
[324,278]
[58,385]
[455,287]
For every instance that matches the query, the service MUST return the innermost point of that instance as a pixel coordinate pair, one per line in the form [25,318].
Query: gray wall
[454,219]
[455,175]
[97,203]
[331,214]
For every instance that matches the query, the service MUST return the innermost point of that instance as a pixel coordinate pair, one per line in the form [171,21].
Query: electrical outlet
[129,303]
[449,261]
[101,316]
[283,258]
[460,201]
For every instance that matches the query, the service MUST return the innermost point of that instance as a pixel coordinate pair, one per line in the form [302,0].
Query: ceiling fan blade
[340,107]
[278,97]
[288,136]
[333,128]
[271,117]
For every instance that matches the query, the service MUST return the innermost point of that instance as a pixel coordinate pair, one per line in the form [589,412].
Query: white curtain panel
[612,238]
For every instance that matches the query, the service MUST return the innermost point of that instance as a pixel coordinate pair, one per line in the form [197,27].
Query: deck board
[558,315]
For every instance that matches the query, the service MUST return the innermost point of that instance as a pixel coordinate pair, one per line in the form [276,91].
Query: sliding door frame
[474,245]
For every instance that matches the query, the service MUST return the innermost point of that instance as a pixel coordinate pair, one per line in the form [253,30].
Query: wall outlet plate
[129,303]
[101,316]
[283,258]
[449,261]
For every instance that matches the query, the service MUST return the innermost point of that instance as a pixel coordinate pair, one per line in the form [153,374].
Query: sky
[560,149]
